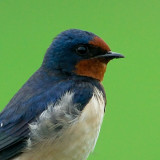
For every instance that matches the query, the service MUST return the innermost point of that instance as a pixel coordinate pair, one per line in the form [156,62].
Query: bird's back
[57,114]
[34,100]
[79,135]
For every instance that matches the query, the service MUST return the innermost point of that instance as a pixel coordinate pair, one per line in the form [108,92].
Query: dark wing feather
[12,150]
[23,109]
[12,144]
[7,140]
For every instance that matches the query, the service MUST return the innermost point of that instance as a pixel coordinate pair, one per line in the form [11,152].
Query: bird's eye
[82,50]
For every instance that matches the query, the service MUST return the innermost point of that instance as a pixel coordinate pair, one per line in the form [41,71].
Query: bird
[57,114]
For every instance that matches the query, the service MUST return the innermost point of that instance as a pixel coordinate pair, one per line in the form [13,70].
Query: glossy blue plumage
[54,78]
[23,109]
[64,57]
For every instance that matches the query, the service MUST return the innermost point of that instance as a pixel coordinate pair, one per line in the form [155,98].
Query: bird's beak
[110,55]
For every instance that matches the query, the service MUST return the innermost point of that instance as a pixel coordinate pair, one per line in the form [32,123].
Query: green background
[131,127]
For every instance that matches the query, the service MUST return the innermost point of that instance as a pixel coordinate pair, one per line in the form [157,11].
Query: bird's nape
[58,112]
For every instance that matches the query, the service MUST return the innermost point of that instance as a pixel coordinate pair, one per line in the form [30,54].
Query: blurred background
[131,127]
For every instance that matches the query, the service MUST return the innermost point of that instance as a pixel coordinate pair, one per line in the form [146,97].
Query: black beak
[110,55]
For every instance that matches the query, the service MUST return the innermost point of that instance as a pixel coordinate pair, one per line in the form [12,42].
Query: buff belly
[77,141]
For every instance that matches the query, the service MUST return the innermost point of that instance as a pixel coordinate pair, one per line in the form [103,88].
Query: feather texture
[77,136]
[23,110]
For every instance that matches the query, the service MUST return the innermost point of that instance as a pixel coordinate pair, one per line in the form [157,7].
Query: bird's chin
[94,68]
[104,60]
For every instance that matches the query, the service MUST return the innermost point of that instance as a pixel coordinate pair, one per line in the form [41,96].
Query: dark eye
[82,50]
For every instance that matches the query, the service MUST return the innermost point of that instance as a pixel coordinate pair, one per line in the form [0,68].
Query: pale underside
[76,140]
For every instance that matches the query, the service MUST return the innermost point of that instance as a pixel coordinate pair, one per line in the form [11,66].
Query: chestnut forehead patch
[98,42]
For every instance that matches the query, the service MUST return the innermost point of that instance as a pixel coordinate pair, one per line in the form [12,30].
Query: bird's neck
[94,68]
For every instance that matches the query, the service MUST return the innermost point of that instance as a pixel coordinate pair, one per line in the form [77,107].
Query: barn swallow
[58,112]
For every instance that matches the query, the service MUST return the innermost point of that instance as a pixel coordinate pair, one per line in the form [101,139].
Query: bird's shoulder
[31,100]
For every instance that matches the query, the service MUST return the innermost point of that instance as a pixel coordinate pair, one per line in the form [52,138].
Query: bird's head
[80,53]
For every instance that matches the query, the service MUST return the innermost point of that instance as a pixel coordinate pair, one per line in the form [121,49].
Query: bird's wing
[14,128]
[14,131]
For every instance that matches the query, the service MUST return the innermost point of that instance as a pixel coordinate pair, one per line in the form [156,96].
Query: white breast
[78,140]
